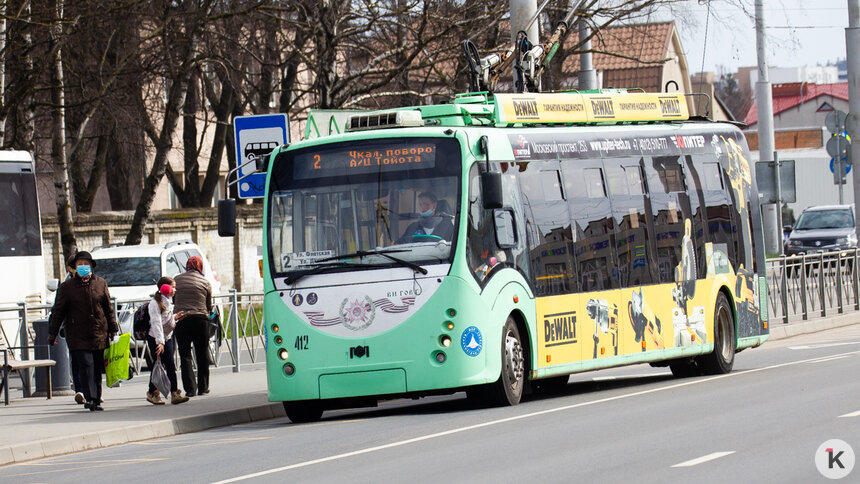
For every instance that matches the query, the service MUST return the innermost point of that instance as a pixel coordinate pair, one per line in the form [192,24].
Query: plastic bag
[116,360]
[160,379]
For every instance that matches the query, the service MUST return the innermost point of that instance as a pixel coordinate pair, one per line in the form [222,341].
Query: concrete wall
[234,259]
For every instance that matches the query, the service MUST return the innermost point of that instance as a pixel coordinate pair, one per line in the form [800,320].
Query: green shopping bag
[116,360]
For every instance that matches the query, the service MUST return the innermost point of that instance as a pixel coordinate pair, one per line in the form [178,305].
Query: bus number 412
[301,342]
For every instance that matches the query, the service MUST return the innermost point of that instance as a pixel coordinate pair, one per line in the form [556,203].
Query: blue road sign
[845,165]
[256,136]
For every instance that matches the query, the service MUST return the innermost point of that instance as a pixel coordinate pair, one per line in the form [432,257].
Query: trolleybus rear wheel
[304,411]
[722,358]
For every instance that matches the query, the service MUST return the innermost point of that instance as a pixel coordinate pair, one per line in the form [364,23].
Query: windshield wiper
[384,253]
[320,268]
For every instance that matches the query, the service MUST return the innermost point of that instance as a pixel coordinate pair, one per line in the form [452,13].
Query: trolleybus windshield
[347,199]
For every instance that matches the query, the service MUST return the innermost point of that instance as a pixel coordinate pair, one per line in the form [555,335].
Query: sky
[799,32]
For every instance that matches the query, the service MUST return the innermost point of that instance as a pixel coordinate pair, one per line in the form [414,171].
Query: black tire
[508,389]
[685,369]
[721,360]
[551,385]
[303,411]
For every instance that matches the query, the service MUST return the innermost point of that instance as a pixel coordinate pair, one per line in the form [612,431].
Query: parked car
[132,271]
[823,228]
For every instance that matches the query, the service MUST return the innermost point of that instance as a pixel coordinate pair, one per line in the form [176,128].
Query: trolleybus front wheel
[508,389]
[722,359]
[303,411]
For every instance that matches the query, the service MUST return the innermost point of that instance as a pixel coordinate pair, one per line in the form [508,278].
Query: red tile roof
[787,96]
[636,45]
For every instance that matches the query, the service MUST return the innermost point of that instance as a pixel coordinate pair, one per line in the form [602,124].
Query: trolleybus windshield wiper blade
[320,268]
[384,253]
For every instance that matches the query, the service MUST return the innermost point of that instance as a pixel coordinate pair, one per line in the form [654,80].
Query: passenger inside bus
[434,222]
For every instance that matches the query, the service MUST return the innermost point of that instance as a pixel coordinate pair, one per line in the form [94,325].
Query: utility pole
[852,45]
[587,76]
[764,111]
[522,12]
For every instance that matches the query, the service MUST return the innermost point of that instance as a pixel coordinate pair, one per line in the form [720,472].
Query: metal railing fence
[803,287]
[241,331]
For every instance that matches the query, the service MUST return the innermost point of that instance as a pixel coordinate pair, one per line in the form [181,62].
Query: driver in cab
[433,224]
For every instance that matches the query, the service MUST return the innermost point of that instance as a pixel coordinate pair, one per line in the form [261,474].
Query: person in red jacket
[83,302]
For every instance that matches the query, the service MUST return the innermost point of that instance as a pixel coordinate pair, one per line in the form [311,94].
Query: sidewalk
[33,428]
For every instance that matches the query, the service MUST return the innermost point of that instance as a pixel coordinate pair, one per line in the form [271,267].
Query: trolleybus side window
[719,220]
[633,232]
[699,176]
[547,227]
[592,225]
[670,208]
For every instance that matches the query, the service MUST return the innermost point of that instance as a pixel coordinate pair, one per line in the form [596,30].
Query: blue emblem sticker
[312,298]
[297,300]
[472,341]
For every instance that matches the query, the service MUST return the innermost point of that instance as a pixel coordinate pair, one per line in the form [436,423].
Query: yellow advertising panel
[605,324]
[540,108]
[636,107]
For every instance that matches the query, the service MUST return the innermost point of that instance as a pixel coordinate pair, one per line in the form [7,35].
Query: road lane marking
[823,345]
[828,358]
[852,414]
[703,459]
[515,418]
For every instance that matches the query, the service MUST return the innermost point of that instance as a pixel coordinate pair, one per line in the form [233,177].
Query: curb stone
[163,428]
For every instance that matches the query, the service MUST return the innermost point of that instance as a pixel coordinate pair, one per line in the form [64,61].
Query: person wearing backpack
[162,321]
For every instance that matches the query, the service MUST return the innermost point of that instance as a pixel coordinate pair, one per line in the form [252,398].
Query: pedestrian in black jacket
[83,302]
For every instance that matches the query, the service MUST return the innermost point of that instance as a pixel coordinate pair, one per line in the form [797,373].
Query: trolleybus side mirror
[227,217]
[491,189]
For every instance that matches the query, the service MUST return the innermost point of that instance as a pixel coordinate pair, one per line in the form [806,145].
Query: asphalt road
[763,422]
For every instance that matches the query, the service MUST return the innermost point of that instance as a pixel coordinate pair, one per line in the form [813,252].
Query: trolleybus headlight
[275,327]
[289,369]
[278,339]
[283,354]
[440,357]
[445,340]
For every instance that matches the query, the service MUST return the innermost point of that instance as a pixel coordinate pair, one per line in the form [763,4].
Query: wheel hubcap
[514,361]
[726,342]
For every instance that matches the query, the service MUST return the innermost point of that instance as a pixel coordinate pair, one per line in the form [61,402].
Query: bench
[9,365]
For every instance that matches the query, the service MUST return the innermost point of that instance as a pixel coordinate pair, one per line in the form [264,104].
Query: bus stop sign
[256,136]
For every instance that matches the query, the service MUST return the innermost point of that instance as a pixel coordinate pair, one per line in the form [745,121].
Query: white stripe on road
[829,358]
[506,420]
[852,414]
[704,458]
[823,345]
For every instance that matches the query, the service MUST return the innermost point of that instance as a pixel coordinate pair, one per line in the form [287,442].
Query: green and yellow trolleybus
[499,243]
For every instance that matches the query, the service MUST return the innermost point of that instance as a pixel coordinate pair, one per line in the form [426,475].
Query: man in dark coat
[83,302]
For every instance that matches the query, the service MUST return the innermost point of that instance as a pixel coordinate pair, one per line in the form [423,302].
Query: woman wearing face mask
[430,223]
[83,301]
[162,321]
